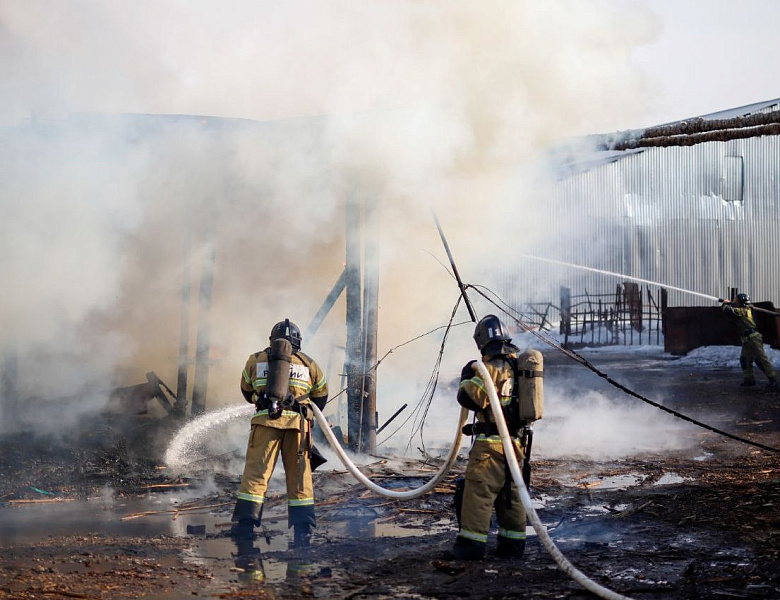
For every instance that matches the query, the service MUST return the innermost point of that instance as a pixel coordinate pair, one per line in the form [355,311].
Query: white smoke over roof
[419,104]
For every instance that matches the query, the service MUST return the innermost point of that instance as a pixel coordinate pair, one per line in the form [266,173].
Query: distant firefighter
[280,381]
[752,341]
[488,484]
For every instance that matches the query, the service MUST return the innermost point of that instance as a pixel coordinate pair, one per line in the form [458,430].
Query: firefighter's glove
[468,371]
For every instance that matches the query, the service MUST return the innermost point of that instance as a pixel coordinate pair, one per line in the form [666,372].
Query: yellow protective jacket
[307,383]
[503,378]
[746,324]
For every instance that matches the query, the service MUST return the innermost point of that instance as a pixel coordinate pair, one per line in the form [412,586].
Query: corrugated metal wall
[702,218]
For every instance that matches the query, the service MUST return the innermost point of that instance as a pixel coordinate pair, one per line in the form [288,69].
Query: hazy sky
[695,56]
[709,55]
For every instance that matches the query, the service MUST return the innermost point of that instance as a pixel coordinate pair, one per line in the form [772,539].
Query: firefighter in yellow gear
[488,482]
[281,381]
[752,341]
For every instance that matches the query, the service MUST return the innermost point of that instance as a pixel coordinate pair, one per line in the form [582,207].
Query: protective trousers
[753,351]
[486,477]
[262,453]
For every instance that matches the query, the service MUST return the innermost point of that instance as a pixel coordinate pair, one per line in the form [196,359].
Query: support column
[370,323]
[353,361]
[203,343]
[180,408]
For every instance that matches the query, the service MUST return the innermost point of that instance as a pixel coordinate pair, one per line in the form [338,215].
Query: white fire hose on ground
[514,467]
[541,530]
[402,495]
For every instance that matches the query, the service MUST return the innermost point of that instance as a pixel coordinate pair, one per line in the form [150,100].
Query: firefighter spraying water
[282,382]
[752,341]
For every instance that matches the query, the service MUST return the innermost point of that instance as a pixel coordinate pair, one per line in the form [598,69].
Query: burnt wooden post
[565,329]
[370,323]
[664,306]
[362,288]
[180,407]
[9,381]
[353,361]
[203,341]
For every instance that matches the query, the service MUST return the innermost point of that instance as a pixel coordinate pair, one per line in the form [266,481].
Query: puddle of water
[30,522]
[27,523]
[614,482]
[621,482]
[671,478]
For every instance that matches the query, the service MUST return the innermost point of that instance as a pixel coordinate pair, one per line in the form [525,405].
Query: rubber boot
[302,535]
[245,516]
[243,530]
[465,549]
[509,548]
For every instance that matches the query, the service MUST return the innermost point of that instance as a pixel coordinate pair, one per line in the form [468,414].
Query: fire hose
[517,477]
[514,467]
[401,495]
[174,452]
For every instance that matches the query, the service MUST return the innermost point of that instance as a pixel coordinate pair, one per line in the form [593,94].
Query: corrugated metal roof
[741,111]
[702,218]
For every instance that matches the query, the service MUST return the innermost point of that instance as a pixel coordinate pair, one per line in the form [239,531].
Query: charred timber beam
[330,300]
[698,138]
[705,125]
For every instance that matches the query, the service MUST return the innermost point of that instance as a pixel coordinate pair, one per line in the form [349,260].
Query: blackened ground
[686,529]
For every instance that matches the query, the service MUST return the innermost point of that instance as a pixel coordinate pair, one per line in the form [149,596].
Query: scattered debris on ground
[702,523]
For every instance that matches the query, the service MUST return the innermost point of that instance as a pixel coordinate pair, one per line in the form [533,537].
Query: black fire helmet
[288,330]
[489,329]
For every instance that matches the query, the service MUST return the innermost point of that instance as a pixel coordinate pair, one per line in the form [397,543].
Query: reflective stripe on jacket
[306,379]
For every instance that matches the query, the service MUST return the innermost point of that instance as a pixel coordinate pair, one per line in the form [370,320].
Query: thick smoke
[109,208]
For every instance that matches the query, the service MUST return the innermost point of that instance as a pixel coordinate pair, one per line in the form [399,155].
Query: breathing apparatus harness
[276,398]
[525,405]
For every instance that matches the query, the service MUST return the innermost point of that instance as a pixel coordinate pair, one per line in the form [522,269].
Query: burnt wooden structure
[362,290]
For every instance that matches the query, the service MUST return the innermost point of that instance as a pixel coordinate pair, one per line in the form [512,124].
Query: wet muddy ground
[96,521]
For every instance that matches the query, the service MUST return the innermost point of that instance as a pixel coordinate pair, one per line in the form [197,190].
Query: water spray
[621,275]
[639,280]
[191,434]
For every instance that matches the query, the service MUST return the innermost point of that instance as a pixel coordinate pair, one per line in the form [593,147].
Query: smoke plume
[141,139]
